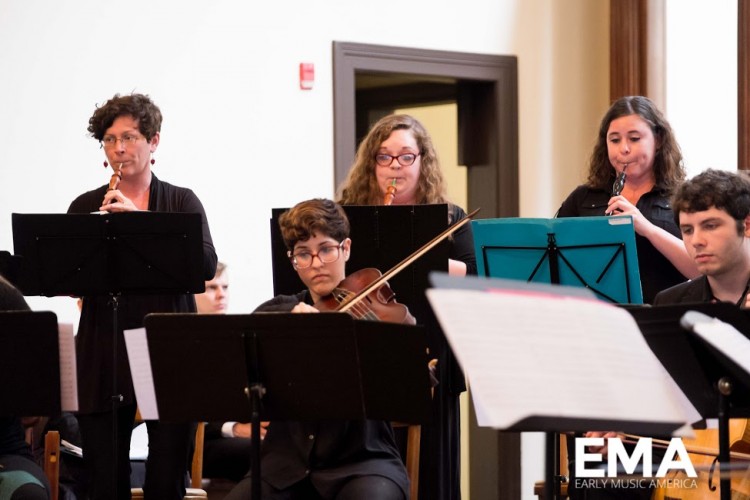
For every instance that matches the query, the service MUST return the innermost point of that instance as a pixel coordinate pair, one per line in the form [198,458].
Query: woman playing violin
[328,460]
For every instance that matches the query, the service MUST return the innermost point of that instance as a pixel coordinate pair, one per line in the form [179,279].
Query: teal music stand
[597,253]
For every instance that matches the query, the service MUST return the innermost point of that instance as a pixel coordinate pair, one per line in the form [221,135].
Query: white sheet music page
[140,370]
[68,372]
[528,353]
[726,339]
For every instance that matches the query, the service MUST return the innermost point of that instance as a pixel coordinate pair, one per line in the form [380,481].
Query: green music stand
[597,253]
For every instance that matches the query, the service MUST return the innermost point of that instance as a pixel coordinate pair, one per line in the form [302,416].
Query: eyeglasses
[109,141]
[404,160]
[326,255]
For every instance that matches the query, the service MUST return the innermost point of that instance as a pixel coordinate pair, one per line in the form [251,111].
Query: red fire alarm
[306,75]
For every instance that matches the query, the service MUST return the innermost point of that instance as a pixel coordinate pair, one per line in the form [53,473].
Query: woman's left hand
[304,308]
[115,201]
[619,205]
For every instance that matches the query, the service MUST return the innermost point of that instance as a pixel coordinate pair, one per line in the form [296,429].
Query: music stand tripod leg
[724,387]
[256,394]
[116,397]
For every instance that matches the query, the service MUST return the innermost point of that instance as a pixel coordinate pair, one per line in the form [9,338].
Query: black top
[94,339]
[694,291]
[657,272]
[329,452]
[462,242]
[12,438]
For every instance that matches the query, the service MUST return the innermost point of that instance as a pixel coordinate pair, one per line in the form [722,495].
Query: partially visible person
[634,137]
[398,149]
[332,459]
[20,477]
[128,130]
[215,299]
[227,446]
[713,212]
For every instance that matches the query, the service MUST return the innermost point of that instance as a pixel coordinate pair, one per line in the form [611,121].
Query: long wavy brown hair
[668,168]
[361,185]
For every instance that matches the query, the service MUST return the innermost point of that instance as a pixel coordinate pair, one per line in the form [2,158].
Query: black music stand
[133,253]
[31,374]
[9,265]
[714,384]
[282,366]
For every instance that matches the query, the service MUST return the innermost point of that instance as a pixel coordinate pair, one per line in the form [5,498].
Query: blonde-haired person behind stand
[227,445]
[399,148]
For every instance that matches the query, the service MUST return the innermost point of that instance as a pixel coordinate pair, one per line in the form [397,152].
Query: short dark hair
[723,190]
[139,106]
[317,216]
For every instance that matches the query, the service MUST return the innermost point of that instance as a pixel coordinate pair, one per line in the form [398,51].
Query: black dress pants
[169,445]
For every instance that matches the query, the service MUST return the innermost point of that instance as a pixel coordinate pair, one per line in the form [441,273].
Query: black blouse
[657,272]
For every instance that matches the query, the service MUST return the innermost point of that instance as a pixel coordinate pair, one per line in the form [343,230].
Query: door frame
[490,116]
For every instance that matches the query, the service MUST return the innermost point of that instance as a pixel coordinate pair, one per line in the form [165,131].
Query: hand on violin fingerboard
[304,308]
[603,434]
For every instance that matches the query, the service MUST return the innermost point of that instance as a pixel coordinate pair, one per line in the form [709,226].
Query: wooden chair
[413,443]
[539,485]
[52,462]
[195,492]
[52,466]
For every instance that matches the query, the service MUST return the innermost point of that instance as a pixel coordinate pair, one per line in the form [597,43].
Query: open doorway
[371,81]
[477,96]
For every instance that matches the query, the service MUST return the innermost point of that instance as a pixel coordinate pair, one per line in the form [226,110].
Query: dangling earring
[153,161]
[106,164]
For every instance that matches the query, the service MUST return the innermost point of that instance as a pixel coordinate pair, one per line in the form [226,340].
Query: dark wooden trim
[743,84]
[628,48]
[501,71]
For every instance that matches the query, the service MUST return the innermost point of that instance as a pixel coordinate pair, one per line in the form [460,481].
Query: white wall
[702,82]
[237,128]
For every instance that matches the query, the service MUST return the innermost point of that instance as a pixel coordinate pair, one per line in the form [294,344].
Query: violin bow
[352,300]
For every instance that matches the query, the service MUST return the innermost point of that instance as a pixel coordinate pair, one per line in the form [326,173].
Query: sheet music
[140,370]
[68,372]
[726,339]
[529,353]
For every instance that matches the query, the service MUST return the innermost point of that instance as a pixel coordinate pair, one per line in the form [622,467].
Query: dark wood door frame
[493,184]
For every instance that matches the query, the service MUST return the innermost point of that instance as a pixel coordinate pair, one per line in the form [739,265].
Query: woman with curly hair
[398,152]
[635,138]
[128,131]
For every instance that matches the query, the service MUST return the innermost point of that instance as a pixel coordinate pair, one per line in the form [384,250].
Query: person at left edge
[128,129]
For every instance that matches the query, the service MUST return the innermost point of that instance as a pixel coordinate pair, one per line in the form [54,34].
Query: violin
[703,450]
[372,288]
[378,305]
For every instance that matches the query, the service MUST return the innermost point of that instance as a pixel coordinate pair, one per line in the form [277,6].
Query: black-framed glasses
[326,255]
[404,160]
[109,141]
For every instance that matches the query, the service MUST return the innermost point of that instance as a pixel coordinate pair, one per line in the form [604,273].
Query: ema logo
[675,458]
